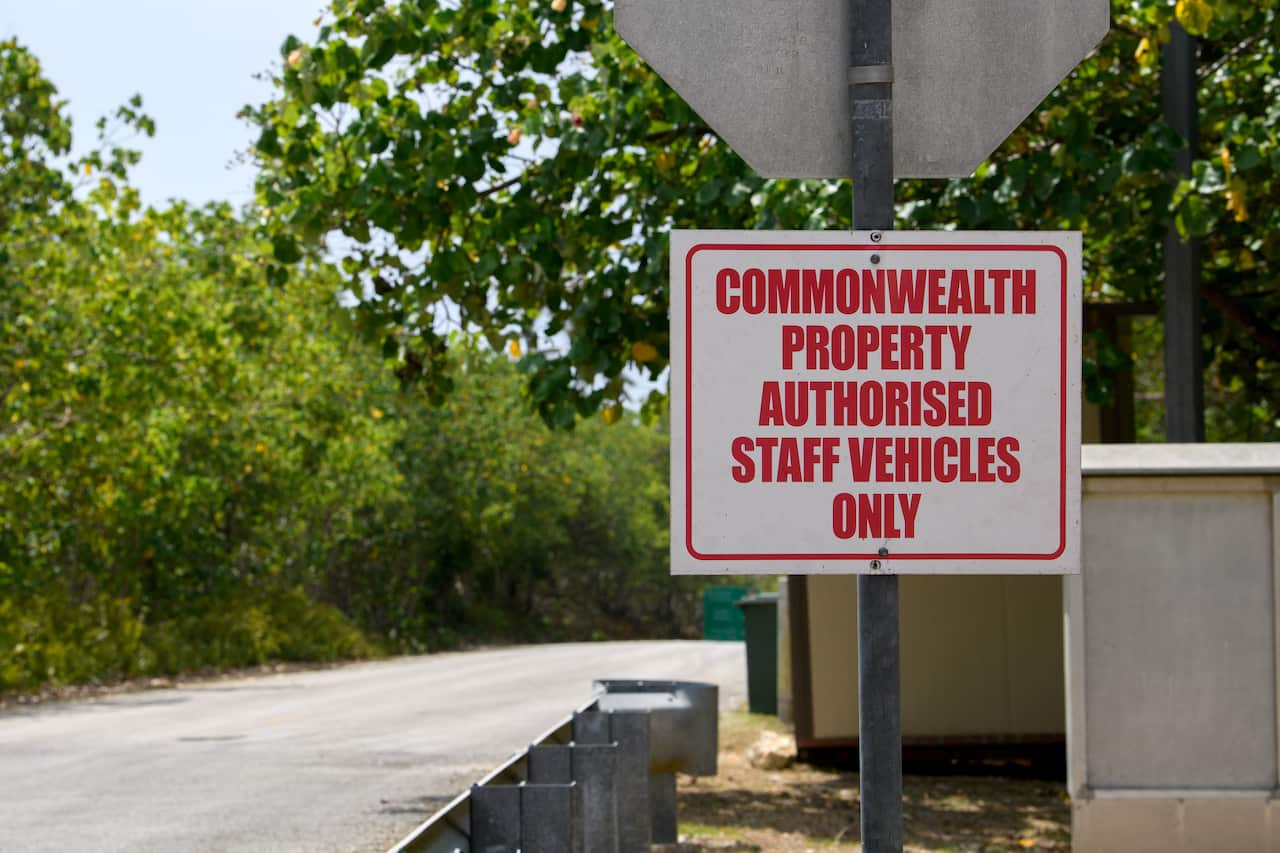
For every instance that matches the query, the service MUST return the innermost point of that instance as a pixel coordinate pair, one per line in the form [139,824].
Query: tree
[173,432]
[514,166]
[199,459]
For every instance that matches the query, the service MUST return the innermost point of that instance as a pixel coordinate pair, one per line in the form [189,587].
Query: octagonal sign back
[771,77]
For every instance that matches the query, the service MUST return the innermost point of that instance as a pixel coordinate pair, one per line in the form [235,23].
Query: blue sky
[193,62]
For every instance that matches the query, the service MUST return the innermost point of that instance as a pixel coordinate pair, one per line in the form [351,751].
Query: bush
[46,640]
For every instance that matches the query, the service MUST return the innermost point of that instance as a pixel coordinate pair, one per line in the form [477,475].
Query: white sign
[842,405]
[771,78]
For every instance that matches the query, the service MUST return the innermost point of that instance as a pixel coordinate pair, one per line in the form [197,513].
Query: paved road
[342,759]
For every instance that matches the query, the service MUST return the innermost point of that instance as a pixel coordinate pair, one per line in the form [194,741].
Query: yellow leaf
[612,414]
[643,351]
[558,5]
[1194,15]
[1235,199]
[88,168]
[248,469]
[260,447]
[665,161]
[514,136]
[1145,54]
[1026,842]
[375,412]
[1246,261]
[295,57]
[513,348]
[1225,156]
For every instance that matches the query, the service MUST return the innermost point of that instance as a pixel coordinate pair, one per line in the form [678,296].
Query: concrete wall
[1172,655]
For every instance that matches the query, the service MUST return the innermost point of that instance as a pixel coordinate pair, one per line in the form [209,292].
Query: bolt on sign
[861,402]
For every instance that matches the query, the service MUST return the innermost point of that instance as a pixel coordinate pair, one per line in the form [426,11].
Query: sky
[193,62]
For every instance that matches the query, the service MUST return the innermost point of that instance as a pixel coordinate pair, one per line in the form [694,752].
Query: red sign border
[873,247]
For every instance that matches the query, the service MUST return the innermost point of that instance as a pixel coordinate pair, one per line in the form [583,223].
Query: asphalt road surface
[334,760]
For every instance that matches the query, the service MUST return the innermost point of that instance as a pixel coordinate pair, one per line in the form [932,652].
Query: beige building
[1159,666]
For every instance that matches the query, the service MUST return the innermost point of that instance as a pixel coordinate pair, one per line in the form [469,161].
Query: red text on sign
[785,460]
[875,291]
[875,516]
[916,459]
[845,347]
[872,403]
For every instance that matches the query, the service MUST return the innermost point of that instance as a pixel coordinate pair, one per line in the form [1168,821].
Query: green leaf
[1196,217]
[268,142]
[285,249]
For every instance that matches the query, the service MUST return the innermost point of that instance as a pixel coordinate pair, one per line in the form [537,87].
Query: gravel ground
[807,808]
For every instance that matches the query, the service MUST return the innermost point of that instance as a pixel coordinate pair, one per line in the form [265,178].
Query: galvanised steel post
[879,677]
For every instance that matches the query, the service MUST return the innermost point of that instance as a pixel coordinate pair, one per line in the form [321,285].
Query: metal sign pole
[879,677]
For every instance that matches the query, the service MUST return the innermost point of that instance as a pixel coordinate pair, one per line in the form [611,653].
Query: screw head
[884,552]
[875,565]
[876,236]
[875,259]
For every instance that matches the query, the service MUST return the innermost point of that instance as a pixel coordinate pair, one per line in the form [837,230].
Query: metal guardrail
[602,780]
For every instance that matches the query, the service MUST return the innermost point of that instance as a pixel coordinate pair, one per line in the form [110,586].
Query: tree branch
[1239,314]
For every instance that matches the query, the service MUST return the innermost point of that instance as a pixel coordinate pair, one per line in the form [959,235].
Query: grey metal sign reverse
[770,76]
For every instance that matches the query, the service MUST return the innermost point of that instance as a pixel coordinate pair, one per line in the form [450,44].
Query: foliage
[202,465]
[509,530]
[514,165]
[171,430]
[1097,157]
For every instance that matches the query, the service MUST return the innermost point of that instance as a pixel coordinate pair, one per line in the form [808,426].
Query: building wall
[1172,649]
[981,658]
[1172,654]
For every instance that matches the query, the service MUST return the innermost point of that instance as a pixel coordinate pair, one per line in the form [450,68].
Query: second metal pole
[879,675]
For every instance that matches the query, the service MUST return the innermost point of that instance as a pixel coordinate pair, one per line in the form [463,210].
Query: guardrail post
[630,731]
[550,764]
[591,727]
[662,808]
[495,819]
[595,769]
[550,819]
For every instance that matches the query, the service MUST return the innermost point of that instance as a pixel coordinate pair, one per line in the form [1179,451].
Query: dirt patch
[807,808]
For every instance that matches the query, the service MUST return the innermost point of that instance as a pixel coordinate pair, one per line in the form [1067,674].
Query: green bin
[761,615]
[720,619]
